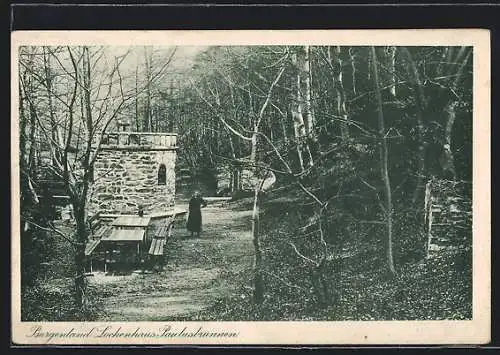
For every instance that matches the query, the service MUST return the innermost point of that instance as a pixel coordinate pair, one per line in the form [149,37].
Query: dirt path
[197,272]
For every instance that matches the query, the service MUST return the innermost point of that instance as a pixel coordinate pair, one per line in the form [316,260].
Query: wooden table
[131,222]
[127,230]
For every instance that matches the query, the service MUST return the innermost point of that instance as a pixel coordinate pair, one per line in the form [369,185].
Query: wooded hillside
[351,137]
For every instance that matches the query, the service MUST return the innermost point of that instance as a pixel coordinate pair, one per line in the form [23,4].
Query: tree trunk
[320,287]
[31,144]
[147,117]
[136,100]
[296,127]
[147,123]
[78,190]
[258,295]
[447,159]
[284,129]
[23,119]
[421,108]
[81,240]
[27,193]
[236,179]
[439,67]
[391,60]
[22,128]
[353,69]
[306,75]
[234,183]
[298,119]
[253,152]
[33,140]
[258,292]
[56,134]
[384,162]
[336,65]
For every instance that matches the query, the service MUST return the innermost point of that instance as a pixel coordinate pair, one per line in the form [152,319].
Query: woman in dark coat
[194,216]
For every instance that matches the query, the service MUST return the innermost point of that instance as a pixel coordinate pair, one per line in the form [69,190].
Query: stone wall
[448,217]
[128,177]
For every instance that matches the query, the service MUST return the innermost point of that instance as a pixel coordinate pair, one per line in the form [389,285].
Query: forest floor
[209,278]
[198,271]
[435,288]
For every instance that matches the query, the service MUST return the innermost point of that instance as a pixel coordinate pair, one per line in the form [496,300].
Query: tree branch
[303,256]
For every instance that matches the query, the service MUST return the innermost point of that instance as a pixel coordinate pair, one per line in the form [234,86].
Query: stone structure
[132,169]
[448,215]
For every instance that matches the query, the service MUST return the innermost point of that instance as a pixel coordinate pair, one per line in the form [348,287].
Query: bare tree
[102,97]
[308,107]
[421,100]
[384,164]
[259,171]
[461,57]
[391,60]
[335,63]
[297,111]
[352,60]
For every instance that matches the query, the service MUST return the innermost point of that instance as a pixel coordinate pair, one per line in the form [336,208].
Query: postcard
[296,187]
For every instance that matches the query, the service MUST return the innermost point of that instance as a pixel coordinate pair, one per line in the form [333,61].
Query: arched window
[133,139]
[105,139]
[162,175]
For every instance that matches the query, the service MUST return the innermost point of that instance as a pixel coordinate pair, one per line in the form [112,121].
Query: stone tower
[132,169]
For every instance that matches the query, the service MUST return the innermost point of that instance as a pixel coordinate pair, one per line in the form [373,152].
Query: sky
[182,60]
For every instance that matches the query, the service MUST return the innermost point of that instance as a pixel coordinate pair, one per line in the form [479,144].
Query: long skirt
[194,221]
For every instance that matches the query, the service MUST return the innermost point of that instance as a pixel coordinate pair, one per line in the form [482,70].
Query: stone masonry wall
[448,214]
[126,178]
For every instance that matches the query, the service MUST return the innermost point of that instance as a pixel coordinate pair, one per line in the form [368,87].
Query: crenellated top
[139,141]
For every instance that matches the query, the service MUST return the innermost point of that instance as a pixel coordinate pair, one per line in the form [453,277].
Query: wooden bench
[97,230]
[94,222]
[161,237]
